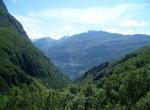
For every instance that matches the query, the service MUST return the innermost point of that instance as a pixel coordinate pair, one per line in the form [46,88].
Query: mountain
[133,62]
[44,43]
[2,6]
[124,84]
[25,72]
[79,52]
[21,63]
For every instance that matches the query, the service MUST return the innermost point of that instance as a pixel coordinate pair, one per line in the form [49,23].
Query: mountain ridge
[2,6]
[95,47]
[26,74]
[21,62]
[8,19]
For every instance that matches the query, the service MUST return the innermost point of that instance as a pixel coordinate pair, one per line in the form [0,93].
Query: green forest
[30,81]
[125,85]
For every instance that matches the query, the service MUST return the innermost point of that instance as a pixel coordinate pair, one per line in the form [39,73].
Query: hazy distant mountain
[44,43]
[79,52]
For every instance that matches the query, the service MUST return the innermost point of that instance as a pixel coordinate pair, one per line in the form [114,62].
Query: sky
[59,18]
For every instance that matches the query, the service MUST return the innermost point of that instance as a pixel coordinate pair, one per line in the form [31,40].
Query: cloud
[112,30]
[67,28]
[134,23]
[58,22]
[92,16]
[34,27]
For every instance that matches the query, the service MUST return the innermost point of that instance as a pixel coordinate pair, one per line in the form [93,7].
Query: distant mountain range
[76,54]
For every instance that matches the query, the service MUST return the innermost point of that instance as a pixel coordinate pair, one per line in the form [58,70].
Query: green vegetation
[28,80]
[126,82]
[20,61]
[128,92]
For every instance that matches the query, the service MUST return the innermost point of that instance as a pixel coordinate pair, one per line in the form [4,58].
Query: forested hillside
[24,70]
[20,61]
[121,85]
[126,82]
[29,81]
